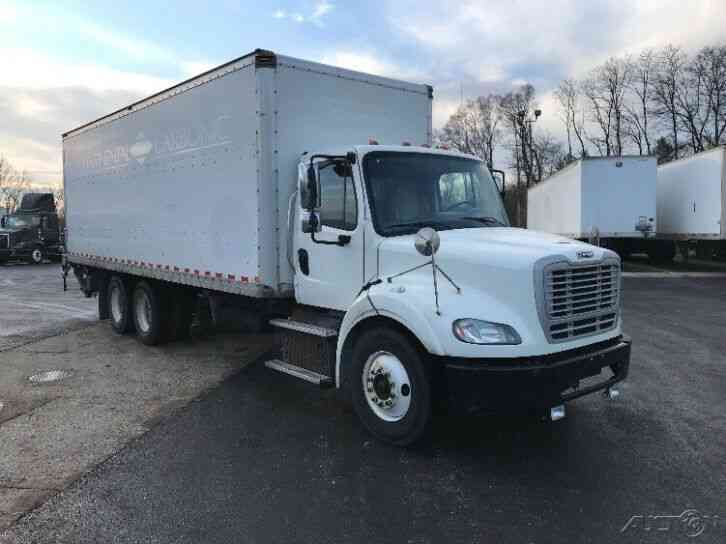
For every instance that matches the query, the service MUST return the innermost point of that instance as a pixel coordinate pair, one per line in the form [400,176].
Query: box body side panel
[690,195]
[554,205]
[172,186]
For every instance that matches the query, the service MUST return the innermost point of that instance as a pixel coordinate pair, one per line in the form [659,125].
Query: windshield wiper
[486,220]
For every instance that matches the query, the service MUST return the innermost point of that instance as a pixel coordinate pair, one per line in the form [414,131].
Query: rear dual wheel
[157,313]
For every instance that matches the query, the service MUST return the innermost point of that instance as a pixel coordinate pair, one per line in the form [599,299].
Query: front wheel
[37,256]
[391,387]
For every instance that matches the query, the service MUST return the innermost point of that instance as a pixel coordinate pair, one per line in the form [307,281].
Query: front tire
[37,256]
[149,313]
[391,387]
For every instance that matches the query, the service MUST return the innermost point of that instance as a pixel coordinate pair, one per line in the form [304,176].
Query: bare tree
[572,115]
[13,184]
[637,111]
[605,91]
[710,65]
[669,79]
[474,128]
[517,109]
[549,155]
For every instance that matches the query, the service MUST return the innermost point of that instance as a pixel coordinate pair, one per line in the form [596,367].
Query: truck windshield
[20,222]
[413,190]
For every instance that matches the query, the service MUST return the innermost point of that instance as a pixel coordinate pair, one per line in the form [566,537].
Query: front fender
[393,307]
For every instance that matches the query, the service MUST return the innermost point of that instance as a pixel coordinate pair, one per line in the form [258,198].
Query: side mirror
[309,198]
[499,179]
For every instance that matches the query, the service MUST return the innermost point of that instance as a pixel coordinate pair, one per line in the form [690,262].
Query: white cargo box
[615,195]
[691,195]
[193,184]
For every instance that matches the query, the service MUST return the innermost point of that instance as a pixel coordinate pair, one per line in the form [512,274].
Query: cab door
[329,263]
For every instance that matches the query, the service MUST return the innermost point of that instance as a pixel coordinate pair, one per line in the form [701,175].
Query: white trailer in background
[608,199]
[691,200]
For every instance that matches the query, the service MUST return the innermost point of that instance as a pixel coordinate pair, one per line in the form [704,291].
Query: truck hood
[497,270]
[493,247]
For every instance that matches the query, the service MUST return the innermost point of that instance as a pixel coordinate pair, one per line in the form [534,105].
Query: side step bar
[299,372]
[306,328]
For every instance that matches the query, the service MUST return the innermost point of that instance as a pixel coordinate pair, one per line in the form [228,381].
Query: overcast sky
[65,63]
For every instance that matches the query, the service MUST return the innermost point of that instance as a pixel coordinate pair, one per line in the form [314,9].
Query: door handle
[303,260]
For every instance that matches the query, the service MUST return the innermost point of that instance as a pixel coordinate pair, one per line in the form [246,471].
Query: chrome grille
[580,300]
[4,241]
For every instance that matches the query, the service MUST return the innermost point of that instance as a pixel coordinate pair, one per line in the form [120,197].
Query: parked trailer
[608,199]
[248,187]
[692,201]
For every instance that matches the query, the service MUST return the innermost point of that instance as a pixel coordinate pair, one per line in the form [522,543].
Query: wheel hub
[386,386]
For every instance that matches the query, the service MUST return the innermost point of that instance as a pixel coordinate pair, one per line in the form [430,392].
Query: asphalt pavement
[265,458]
[33,304]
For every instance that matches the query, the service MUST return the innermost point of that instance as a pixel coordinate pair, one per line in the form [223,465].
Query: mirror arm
[495,171]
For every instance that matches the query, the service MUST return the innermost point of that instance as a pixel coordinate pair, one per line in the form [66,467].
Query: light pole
[525,123]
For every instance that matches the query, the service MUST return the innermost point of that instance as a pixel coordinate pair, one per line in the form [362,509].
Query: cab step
[305,328]
[311,376]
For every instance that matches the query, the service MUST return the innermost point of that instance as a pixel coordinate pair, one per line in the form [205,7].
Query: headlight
[476,331]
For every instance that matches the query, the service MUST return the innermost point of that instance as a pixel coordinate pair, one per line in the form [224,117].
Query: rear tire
[390,387]
[119,305]
[149,313]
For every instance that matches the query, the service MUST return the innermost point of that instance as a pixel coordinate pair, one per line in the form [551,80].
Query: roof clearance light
[443,146]
[371,141]
[406,144]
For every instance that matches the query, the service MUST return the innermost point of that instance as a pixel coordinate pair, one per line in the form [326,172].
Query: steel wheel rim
[142,308]
[37,256]
[116,306]
[386,386]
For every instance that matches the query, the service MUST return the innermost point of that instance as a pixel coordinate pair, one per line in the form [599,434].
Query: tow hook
[611,393]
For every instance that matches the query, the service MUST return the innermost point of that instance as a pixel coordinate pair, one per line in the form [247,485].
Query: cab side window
[337,197]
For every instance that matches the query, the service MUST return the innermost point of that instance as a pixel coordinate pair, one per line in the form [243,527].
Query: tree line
[662,102]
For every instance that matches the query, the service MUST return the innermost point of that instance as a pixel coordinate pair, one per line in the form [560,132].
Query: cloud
[320,10]
[35,118]
[372,63]
[494,45]
[24,68]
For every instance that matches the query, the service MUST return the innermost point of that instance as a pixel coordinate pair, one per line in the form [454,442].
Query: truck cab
[32,233]
[440,300]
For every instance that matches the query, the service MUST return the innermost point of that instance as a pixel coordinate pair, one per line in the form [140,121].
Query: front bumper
[533,384]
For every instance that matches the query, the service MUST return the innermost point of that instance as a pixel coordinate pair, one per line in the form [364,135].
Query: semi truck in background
[32,233]
[387,267]
[692,201]
[608,200]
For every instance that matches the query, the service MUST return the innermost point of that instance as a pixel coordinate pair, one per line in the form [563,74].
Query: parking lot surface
[33,304]
[265,458]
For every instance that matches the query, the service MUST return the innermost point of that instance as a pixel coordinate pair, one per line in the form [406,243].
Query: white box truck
[388,269]
[692,200]
[609,199]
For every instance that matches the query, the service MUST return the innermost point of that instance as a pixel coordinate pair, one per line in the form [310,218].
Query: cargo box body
[614,195]
[691,195]
[193,185]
